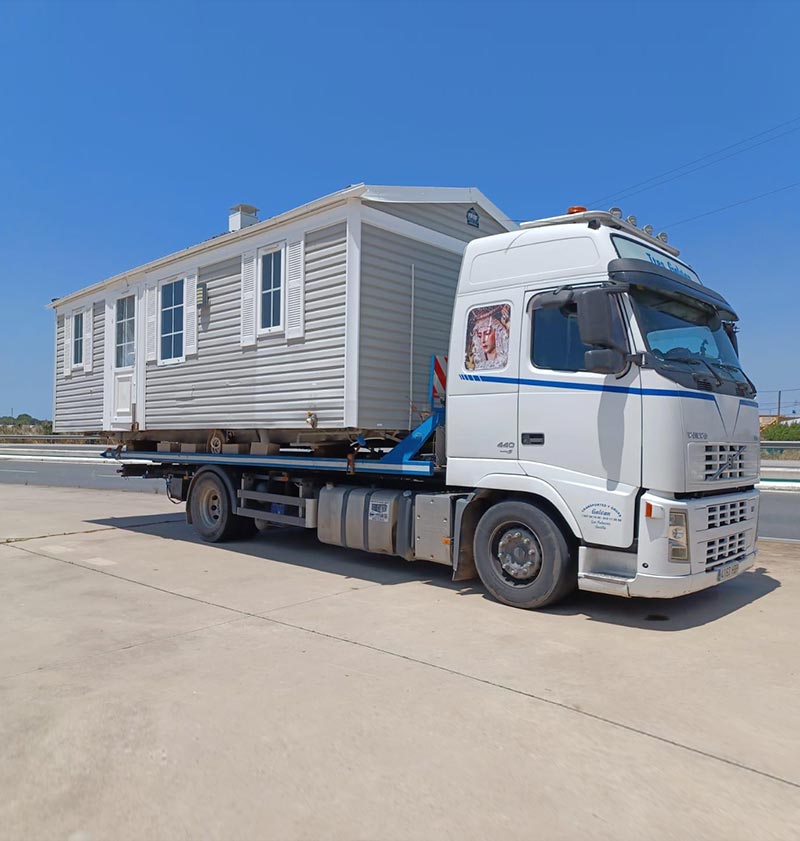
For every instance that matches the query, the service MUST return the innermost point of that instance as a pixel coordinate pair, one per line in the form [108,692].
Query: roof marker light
[663,236]
[616,212]
[648,229]
[631,221]
[576,209]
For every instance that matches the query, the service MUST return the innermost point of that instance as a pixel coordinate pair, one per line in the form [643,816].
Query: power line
[703,166]
[625,193]
[734,204]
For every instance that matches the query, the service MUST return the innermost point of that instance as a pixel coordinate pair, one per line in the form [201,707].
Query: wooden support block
[168,447]
[259,449]
[235,449]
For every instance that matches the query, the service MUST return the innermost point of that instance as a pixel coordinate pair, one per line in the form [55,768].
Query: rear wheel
[212,511]
[522,556]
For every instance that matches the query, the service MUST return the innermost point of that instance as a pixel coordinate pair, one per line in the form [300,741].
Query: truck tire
[522,556]
[212,511]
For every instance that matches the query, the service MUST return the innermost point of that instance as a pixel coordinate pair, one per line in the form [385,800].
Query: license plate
[726,572]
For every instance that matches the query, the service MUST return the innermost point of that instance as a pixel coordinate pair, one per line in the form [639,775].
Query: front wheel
[522,556]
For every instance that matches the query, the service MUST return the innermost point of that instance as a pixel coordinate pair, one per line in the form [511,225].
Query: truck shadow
[678,614]
[300,548]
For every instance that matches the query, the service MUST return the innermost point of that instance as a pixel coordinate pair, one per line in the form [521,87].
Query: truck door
[482,386]
[580,431]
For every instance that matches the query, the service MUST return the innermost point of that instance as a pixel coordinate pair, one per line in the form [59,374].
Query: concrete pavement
[157,687]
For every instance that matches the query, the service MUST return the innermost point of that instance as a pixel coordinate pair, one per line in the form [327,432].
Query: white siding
[450,219]
[385,337]
[79,397]
[272,384]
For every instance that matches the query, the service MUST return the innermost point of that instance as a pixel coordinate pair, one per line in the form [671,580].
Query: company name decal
[601,515]
[668,264]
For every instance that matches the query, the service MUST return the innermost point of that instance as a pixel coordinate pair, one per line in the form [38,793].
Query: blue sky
[127,130]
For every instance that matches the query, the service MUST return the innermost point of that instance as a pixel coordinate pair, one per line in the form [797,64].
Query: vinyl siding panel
[79,398]
[450,219]
[275,383]
[386,324]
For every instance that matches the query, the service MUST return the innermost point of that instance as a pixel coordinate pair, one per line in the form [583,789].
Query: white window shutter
[151,323]
[295,293]
[68,344]
[248,325]
[88,335]
[190,314]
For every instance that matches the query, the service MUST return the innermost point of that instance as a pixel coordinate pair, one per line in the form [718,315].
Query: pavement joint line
[562,705]
[267,613]
[7,540]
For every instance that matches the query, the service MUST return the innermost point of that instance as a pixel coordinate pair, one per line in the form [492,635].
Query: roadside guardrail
[63,438]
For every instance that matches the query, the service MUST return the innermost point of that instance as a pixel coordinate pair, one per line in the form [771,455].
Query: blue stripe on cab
[614,389]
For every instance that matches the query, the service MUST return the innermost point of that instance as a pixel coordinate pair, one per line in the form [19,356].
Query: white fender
[530,485]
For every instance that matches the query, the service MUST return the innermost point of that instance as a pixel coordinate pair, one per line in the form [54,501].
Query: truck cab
[591,372]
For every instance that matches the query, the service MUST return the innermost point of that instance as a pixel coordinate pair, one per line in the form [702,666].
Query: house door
[123,363]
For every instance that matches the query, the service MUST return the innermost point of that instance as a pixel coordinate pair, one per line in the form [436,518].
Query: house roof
[373,193]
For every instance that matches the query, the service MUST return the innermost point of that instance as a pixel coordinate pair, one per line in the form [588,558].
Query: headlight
[678,534]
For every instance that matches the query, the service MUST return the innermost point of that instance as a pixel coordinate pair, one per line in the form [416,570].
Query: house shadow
[300,548]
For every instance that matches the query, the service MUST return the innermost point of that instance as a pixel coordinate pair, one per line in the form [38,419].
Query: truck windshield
[690,344]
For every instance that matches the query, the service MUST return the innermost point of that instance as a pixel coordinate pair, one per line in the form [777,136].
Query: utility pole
[779,406]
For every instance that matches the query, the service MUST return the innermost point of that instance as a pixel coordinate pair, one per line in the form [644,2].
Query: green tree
[781,432]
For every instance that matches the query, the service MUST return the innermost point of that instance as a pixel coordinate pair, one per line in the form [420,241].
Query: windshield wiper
[728,367]
[695,360]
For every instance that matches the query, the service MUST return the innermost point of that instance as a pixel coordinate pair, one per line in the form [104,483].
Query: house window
[271,286]
[172,320]
[77,338]
[126,328]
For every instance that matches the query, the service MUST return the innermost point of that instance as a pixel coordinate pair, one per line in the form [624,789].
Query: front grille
[723,549]
[726,513]
[723,462]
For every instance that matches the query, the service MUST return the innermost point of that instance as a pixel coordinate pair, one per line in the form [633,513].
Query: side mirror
[730,331]
[596,314]
[605,360]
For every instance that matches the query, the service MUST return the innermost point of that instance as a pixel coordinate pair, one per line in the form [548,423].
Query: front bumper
[721,533]
[647,586]
[668,587]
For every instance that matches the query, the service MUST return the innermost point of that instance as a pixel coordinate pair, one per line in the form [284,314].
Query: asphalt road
[778,519]
[101,476]
[78,466]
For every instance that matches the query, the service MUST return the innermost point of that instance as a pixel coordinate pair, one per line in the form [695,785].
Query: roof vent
[242,216]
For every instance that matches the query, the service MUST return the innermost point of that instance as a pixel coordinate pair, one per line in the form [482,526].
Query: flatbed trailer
[393,501]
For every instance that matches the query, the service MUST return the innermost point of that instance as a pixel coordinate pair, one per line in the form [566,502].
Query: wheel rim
[516,553]
[209,506]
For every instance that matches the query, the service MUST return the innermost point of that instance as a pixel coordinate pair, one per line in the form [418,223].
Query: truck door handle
[529,438]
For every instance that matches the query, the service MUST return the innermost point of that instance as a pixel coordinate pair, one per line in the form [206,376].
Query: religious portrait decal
[488,330]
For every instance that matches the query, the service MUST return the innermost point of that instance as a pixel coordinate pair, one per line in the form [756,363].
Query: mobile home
[278,330]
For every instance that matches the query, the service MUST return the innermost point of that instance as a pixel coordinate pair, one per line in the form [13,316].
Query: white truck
[597,431]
